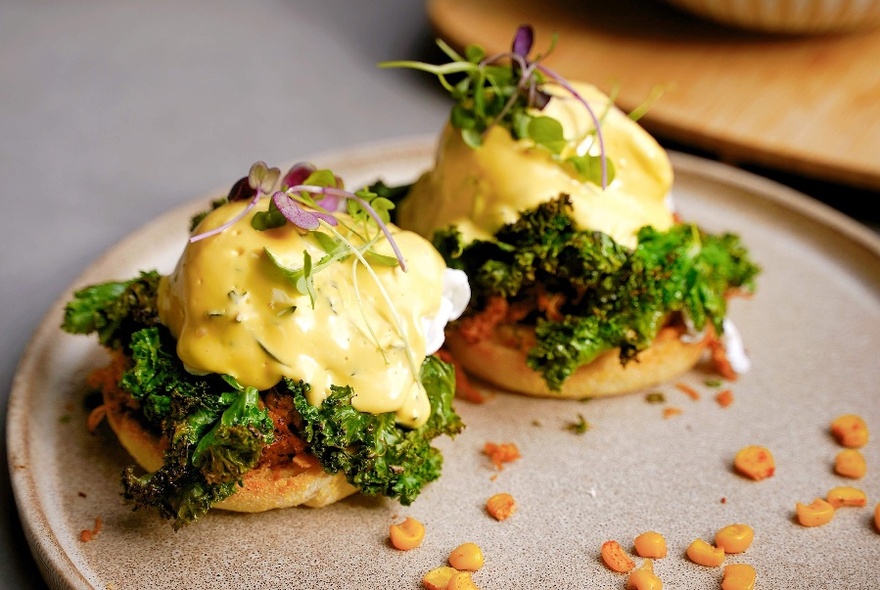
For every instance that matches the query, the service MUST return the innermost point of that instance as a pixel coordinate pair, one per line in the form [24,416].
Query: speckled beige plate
[813,332]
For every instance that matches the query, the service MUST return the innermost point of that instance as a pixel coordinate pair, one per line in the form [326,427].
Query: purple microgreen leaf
[241,191]
[294,213]
[297,175]
[539,99]
[522,41]
[331,203]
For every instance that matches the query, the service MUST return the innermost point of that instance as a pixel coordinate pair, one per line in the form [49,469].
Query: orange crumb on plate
[501,453]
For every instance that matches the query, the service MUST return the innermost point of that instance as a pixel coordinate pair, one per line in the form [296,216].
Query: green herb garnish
[509,90]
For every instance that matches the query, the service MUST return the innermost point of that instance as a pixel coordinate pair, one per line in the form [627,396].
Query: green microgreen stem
[360,302]
[341,193]
[599,136]
[395,316]
[220,229]
[527,79]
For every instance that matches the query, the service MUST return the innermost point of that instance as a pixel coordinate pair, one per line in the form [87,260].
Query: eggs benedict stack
[558,207]
[287,360]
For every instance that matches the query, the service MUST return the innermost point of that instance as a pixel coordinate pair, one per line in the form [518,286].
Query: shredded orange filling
[95,417]
[479,326]
[719,358]
[689,391]
[463,386]
[88,535]
[551,304]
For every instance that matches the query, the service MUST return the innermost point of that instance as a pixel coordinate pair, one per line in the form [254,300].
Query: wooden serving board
[803,105]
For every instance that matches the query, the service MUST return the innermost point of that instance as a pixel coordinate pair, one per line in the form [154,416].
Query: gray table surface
[113,112]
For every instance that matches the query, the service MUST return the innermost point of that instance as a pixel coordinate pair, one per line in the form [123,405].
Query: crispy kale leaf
[113,310]
[613,296]
[377,455]
[215,427]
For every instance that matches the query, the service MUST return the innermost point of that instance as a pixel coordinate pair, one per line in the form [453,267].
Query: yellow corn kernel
[846,496]
[438,578]
[734,538]
[817,513]
[461,581]
[650,544]
[850,430]
[850,463]
[755,462]
[702,553]
[467,556]
[501,506]
[407,534]
[615,558]
[643,578]
[877,517]
[738,576]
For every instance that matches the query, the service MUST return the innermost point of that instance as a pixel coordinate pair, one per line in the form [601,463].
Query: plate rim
[57,566]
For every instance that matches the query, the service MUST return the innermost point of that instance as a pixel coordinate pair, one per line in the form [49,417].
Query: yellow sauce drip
[233,312]
[479,190]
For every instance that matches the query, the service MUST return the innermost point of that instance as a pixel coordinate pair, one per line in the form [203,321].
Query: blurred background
[112,113]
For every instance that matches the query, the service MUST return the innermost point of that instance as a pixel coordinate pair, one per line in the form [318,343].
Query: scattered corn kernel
[734,538]
[738,576]
[501,506]
[670,411]
[407,534]
[817,513]
[650,544]
[702,553]
[846,496]
[438,578]
[461,581]
[643,578]
[850,430]
[615,558]
[850,463]
[467,556]
[755,462]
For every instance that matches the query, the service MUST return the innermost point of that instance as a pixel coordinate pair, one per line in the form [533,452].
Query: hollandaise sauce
[234,312]
[480,189]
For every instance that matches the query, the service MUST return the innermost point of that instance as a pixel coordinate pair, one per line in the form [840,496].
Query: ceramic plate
[812,331]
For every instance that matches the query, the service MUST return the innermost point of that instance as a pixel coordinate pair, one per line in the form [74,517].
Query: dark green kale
[377,455]
[215,427]
[613,296]
[216,431]
[114,310]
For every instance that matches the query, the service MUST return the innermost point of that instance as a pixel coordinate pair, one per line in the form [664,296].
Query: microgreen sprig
[296,204]
[259,182]
[490,94]
[361,198]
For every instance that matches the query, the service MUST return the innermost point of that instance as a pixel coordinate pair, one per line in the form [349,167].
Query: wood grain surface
[807,105]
